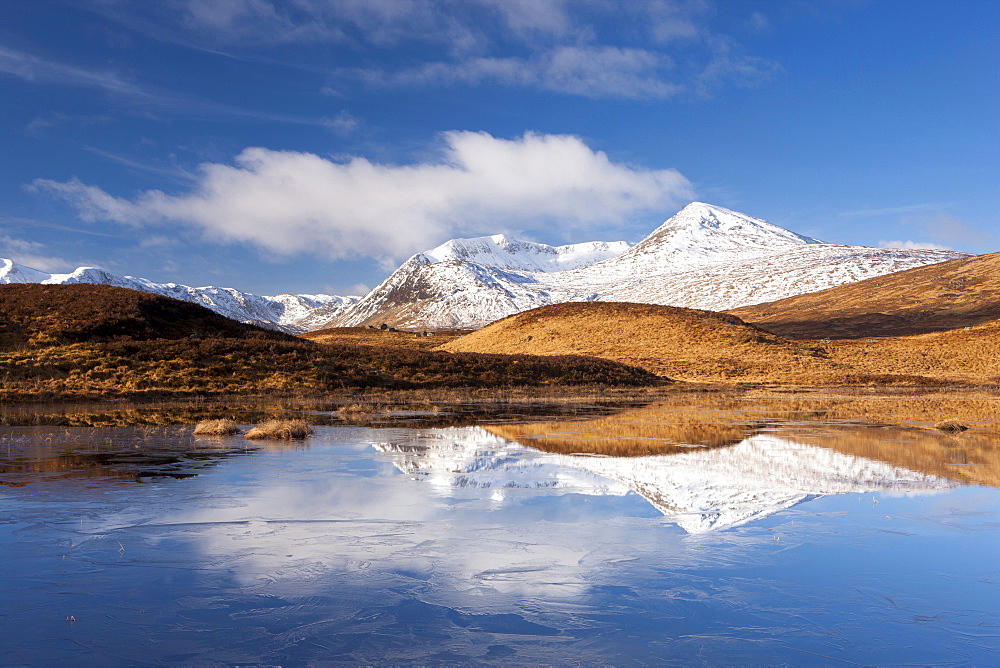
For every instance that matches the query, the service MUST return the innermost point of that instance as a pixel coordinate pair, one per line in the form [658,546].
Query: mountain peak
[12,272]
[706,230]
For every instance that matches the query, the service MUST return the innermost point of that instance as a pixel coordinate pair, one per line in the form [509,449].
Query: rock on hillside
[704,257]
[959,293]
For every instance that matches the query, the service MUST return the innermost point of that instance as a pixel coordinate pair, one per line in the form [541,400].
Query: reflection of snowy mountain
[701,490]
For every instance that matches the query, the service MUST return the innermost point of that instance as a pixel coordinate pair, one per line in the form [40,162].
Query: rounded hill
[35,314]
[681,343]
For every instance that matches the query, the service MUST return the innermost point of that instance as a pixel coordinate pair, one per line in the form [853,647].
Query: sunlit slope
[965,355]
[98,341]
[948,295]
[703,346]
[676,342]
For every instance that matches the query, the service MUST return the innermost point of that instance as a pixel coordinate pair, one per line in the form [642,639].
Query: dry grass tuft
[280,430]
[951,425]
[223,427]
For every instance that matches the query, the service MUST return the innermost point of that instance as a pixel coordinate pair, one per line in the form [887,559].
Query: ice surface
[451,546]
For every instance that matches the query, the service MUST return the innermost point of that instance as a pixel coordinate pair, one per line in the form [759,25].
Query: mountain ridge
[704,257]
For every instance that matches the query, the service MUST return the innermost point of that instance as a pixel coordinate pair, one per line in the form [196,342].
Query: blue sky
[312,145]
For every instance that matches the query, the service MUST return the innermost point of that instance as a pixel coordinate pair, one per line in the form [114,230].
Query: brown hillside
[91,341]
[363,336]
[969,355]
[702,346]
[33,314]
[675,342]
[957,293]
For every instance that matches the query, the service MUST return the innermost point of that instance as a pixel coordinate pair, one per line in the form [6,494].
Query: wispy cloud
[587,71]
[17,223]
[342,124]
[892,210]
[173,172]
[592,49]
[41,71]
[29,254]
[948,229]
[289,202]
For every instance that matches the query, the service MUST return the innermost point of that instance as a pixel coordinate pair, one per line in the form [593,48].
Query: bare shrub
[280,430]
[223,427]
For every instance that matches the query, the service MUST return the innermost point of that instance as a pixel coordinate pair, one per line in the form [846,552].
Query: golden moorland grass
[708,347]
[82,342]
[948,295]
[220,427]
[365,336]
[678,343]
[279,430]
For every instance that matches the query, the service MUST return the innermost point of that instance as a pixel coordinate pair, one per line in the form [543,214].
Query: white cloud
[288,202]
[912,245]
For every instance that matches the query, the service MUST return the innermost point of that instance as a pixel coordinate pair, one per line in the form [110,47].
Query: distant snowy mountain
[290,313]
[704,257]
[502,252]
[706,489]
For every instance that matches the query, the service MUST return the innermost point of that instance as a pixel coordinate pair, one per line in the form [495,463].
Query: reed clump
[280,430]
[223,427]
[951,425]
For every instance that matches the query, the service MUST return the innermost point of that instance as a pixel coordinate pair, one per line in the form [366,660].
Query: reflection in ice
[699,489]
[458,546]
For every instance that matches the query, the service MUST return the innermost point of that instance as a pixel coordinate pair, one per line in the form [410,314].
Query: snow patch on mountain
[289,313]
[502,252]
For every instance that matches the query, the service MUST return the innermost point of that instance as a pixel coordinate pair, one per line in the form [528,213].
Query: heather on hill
[33,314]
[83,341]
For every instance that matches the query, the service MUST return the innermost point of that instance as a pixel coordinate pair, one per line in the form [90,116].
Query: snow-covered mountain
[502,252]
[291,313]
[705,489]
[704,257]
